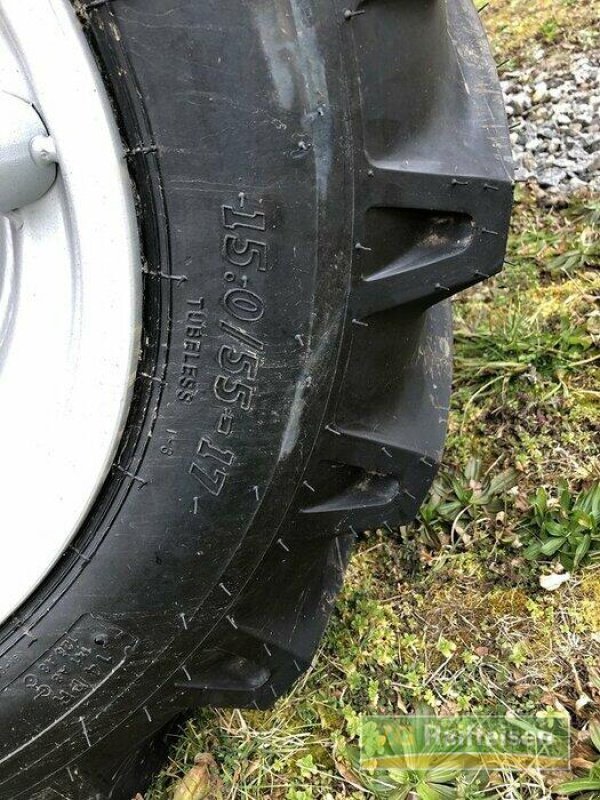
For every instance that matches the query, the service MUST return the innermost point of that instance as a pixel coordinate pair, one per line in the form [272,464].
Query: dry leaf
[202,782]
[521,689]
[581,763]
[594,677]
[349,776]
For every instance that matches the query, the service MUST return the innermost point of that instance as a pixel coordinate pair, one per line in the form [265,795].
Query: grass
[454,616]
[527,362]
[519,30]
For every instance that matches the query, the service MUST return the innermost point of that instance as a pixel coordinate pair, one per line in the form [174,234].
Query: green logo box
[423,742]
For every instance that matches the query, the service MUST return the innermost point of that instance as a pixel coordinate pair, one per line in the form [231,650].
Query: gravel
[555,123]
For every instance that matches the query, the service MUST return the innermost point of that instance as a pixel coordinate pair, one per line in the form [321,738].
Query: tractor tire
[313,180]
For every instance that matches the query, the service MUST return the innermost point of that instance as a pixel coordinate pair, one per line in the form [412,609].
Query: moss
[589,607]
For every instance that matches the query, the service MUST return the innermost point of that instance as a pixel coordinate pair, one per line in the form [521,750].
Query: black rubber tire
[312,181]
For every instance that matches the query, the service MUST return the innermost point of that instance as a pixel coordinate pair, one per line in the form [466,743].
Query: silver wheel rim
[70,297]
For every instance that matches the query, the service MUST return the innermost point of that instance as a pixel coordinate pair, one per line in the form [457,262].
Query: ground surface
[455,617]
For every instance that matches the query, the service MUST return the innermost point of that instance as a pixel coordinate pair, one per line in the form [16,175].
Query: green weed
[460,500]
[549,31]
[566,526]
